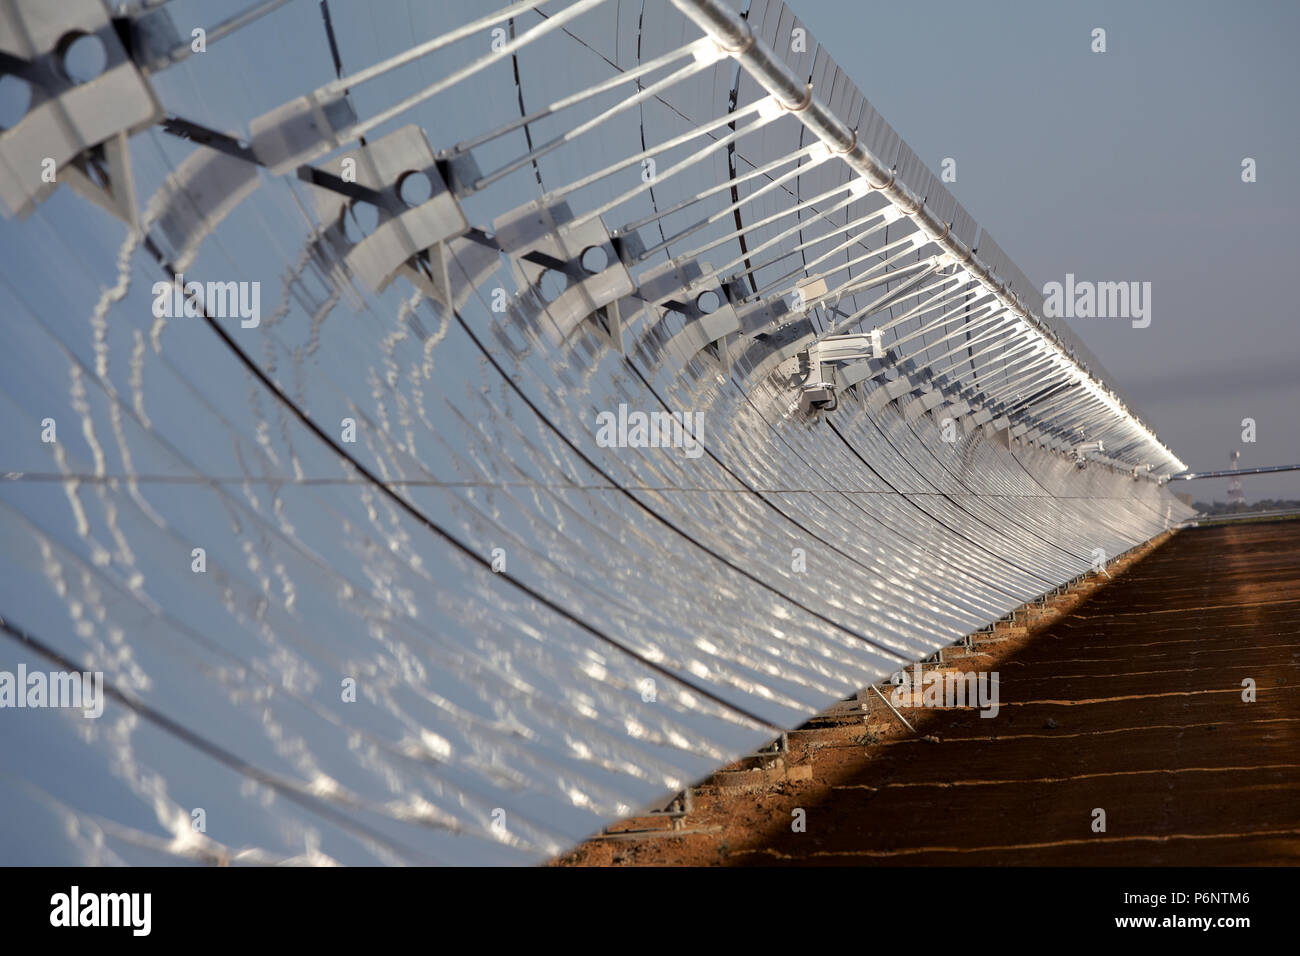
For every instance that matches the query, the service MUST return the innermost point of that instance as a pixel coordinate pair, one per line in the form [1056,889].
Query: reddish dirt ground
[1127,697]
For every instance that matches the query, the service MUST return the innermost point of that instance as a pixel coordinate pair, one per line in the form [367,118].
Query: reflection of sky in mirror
[648,624]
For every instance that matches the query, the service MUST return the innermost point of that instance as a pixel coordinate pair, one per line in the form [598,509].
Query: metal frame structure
[863,442]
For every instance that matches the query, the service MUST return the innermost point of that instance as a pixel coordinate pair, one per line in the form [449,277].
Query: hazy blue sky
[1123,165]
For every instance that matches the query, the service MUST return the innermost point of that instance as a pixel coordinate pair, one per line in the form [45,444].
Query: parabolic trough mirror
[448,430]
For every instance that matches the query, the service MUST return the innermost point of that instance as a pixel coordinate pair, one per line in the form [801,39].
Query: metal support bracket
[537,241]
[377,174]
[73,131]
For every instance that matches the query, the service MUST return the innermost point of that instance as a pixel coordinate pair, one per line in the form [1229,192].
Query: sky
[1123,166]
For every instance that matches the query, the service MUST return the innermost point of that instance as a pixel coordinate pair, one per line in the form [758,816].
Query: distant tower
[1235,495]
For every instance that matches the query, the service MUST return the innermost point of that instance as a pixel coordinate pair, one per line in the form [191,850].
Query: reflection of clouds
[643,594]
[125,765]
[90,832]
